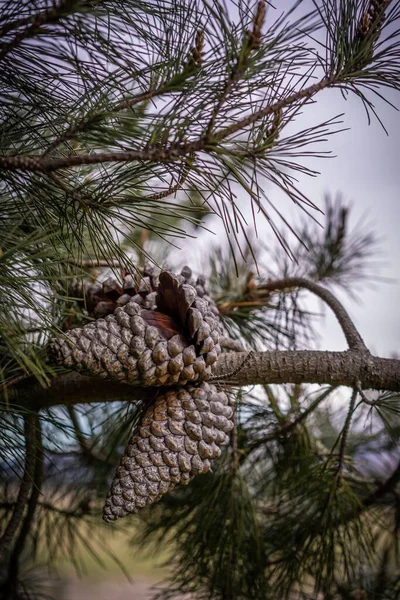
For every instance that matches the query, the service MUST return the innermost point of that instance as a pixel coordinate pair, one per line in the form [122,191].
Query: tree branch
[19,545]
[230,344]
[302,366]
[353,338]
[167,154]
[73,388]
[30,423]
[312,366]
[48,16]
[84,124]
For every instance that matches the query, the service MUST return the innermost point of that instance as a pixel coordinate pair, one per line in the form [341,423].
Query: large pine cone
[178,437]
[177,342]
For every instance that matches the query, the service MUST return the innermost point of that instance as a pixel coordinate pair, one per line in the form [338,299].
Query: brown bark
[350,368]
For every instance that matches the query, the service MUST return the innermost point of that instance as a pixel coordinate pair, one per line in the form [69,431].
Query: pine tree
[126,127]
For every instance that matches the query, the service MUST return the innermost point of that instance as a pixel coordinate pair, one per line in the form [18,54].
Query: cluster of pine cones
[160,330]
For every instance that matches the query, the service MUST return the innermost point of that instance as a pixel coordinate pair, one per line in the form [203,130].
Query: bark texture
[350,368]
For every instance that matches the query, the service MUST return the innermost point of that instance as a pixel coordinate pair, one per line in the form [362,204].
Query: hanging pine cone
[178,437]
[176,341]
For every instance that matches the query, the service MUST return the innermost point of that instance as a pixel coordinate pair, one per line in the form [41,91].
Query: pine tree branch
[302,366]
[73,388]
[155,154]
[250,43]
[30,426]
[84,124]
[345,435]
[353,338]
[313,366]
[46,17]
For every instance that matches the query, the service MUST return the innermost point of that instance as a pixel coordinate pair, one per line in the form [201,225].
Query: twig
[47,17]
[363,396]
[353,338]
[251,42]
[85,123]
[345,434]
[30,422]
[155,154]
[32,504]
[290,425]
[281,417]
[388,486]
[88,263]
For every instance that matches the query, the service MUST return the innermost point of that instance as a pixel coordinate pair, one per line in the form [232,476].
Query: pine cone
[177,342]
[178,437]
[101,299]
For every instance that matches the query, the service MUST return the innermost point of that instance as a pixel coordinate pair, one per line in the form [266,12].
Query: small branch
[281,417]
[167,154]
[353,338]
[345,434]
[47,17]
[250,43]
[32,504]
[30,422]
[288,426]
[84,124]
[89,263]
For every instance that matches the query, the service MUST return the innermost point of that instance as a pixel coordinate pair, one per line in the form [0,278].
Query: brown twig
[345,435]
[168,153]
[19,545]
[46,17]
[250,43]
[30,425]
[89,263]
[353,338]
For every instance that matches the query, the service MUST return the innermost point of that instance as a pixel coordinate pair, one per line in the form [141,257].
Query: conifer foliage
[127,127]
